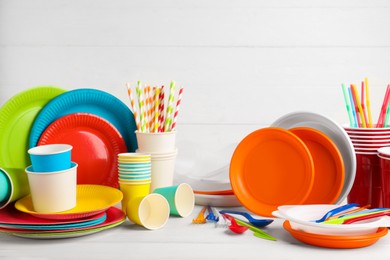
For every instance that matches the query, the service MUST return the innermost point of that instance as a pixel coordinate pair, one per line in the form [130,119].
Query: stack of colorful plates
[94,212]
[304,158]
[97,125]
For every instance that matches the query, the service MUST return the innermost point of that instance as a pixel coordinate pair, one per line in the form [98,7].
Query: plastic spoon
[335,211]
[374,215]
[253,221]
[236,228]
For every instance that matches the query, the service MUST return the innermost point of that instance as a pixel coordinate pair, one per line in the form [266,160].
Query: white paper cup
[163,169]
[150,211]
[156,142]
[53,191]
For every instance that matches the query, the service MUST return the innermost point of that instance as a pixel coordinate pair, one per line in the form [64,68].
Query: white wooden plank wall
[244,63]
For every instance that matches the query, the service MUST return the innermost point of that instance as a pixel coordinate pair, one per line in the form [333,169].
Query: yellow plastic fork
[200,219]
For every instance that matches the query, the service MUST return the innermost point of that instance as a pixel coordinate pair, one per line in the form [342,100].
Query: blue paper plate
[83,224]
[91,101]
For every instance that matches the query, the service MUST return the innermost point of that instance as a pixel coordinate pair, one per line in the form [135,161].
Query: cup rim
[28,171]
[39,150]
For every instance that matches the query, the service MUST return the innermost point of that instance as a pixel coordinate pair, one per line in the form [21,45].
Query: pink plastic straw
[382,114]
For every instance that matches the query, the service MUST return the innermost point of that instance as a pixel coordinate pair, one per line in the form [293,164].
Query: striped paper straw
[161,109]
[169,113]
[177,108]
[147,107]
[156,109]
[151,108]
[133,107]
[141,107]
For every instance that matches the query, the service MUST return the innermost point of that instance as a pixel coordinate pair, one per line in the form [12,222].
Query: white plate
[217,200]
[335,132]
[301,218]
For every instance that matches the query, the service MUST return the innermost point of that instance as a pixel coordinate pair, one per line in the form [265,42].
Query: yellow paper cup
[150,211]
[132,190]
[18,182]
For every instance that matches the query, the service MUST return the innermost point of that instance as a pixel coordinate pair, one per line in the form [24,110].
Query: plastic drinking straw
[363,104]
[368,103]
[360,110]
[133,107]
[353,108]
[177,108]
[348,106]
[169,113]
[156,109]
[383,108]
[141,107]
[356,107]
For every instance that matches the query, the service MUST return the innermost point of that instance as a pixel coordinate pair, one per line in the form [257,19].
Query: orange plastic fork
[200,219]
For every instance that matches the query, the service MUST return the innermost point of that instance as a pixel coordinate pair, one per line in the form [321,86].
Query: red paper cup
[366,188]
[385,178]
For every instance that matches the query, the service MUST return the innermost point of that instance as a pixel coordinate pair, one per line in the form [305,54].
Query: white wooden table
[180,239]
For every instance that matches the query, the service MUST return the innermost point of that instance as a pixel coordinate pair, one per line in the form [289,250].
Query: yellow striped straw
[141,107]
[133,107]
[156,105]
[368,102]
[359,105]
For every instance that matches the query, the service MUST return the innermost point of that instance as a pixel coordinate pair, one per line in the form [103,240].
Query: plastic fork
[211,216]
[253,221]
[236,228]
[342,214]
[200,219]
[350,218]
[256,231]
[335,211]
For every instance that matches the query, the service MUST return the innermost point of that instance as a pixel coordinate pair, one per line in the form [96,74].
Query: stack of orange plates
[274,166]
[332,241]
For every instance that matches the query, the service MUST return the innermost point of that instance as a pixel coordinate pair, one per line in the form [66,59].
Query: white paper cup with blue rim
[50,157]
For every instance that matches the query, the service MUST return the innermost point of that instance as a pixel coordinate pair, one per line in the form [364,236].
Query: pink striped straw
[177,108]
[156,109]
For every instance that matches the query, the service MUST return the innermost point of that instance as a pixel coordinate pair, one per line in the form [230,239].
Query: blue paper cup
[50,157]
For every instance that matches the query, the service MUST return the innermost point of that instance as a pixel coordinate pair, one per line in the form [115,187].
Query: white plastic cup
[150,211]
[163,169]
[53,191]
[161,142]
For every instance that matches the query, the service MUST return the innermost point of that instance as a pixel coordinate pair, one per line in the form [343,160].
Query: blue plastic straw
[355,124]
[348,105]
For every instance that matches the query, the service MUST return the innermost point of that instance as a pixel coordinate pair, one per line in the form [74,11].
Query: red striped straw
[382,114]
[132,106]
[151,109]
[177,108]
[161,108]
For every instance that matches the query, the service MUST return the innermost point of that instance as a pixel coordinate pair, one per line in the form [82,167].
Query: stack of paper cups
[162,148]
[134,173]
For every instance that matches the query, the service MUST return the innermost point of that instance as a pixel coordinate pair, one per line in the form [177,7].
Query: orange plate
[335,241]
[271,167]
[328,166]
[217,192]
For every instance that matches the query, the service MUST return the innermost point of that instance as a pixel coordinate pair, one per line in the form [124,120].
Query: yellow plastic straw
[359,105]
[368,102]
